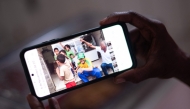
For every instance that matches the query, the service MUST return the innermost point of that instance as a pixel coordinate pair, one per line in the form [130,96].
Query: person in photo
[63,52]
[68,61]
[56,52]
[65,73]
[56,66]
[85,68]
[73,61]
[67,49]
[106,58]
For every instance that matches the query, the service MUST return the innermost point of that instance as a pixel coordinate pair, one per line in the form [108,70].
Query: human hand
[75,71]
[34,103]
[80,70]
[152,43]
[81,39]
[57,70]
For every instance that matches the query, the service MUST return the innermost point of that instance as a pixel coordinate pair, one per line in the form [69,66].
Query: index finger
[131,17]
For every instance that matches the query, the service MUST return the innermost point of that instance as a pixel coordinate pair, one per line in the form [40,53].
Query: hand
[57,70]
[35,104]
[81,39]
[61,78]
[152,43]
[80,70]
[75,71]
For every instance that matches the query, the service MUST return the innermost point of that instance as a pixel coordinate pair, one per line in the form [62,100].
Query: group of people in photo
[71,65]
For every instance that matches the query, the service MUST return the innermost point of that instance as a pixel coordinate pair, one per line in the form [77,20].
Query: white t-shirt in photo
[106,58]
[65,71]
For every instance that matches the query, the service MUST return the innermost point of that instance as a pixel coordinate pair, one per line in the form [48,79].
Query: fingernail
[120,80]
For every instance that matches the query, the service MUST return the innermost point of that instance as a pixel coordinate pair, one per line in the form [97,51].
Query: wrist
[183,74]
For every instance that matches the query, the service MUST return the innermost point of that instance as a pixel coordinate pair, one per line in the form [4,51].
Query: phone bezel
[27,74]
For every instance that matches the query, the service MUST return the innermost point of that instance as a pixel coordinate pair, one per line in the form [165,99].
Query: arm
[61,74]
[152,44]
[88,44]
[88,69]
[57,70]
[71,65]
[77,69]
[70,62]
[61,45]
[61,77]
[58,73]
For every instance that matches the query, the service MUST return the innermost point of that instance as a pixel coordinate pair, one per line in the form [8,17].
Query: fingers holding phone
[105,54]
[153,44]
[34,103]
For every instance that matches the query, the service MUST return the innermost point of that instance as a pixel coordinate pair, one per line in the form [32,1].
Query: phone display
[68,63]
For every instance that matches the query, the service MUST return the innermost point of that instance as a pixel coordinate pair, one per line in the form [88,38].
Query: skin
[35,104]
[87,43]
[72,56]
[58,72]
[56,52]
[152,44]
[63,54]
[82,69]
[67,48]
[67,58]
[102,45]
[62,45]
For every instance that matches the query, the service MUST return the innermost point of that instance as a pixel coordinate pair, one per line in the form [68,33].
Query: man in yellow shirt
[85,68]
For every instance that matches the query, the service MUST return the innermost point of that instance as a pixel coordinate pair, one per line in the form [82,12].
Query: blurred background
[28,22]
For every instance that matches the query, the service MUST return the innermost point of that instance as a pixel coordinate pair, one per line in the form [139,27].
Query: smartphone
[60,65]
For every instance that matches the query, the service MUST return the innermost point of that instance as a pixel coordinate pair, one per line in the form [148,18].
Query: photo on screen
[76,53]
[66,64]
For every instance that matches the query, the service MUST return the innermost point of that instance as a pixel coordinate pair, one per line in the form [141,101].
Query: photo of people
[79,60]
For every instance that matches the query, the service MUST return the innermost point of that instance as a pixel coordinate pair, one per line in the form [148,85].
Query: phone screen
[66,64]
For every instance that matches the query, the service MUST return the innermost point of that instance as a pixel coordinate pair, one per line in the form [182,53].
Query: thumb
[134,75]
